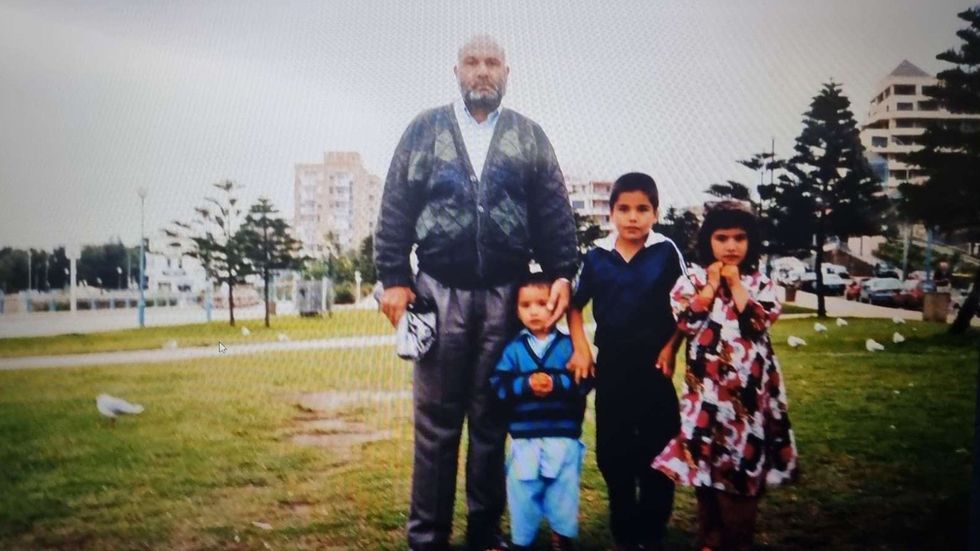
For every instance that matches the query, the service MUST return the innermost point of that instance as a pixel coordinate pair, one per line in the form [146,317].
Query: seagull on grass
[897,337]
[873,346]
[841,322]
[819,327]
[111,407]
[794,341]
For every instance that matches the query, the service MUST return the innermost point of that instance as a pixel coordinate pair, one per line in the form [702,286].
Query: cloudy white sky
[100,98]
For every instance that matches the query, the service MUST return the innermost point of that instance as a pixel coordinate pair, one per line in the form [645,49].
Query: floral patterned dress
[735,432]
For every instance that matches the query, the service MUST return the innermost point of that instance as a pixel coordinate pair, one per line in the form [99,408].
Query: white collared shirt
[609,243]
[476,135]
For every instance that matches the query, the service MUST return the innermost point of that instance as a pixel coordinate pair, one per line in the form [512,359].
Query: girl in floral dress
[735,434]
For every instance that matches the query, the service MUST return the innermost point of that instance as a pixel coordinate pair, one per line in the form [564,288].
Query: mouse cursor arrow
[222,348]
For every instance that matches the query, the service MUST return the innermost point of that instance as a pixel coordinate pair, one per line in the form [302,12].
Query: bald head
[481,70]
[481,44]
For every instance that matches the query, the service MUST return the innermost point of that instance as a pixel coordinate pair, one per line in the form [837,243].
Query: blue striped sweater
[558,414]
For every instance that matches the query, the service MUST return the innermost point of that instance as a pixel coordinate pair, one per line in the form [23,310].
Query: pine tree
[682,228]
[950,156]
[586,232]
[829,188]
[212,237]
[268,244]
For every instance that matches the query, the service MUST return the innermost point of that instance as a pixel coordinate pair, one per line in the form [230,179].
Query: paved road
[177,354]
[93,321]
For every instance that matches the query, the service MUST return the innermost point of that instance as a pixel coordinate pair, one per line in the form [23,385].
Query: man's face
[482,76]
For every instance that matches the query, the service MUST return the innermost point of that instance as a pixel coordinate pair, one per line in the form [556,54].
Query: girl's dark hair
[635,181]
[724,215]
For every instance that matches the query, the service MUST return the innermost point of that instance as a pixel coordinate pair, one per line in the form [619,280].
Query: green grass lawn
[790,308]
[885,445]
[343,323]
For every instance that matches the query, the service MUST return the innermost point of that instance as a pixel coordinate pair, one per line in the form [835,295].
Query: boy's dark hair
[536,279]
[635,181]
[724,215]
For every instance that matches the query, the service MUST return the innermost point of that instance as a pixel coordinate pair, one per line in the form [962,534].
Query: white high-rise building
[336,197]
[590,198]
[897,118]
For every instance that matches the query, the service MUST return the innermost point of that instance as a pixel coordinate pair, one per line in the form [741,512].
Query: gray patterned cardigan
[474,232]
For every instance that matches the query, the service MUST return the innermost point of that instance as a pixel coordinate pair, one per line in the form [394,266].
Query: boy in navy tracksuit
[545,423]
[628,277]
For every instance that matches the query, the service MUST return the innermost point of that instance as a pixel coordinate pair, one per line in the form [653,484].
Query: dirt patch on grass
[299,507]
[332,401]
[325,424]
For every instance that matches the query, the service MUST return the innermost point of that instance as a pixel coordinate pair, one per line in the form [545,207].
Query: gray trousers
[452,382]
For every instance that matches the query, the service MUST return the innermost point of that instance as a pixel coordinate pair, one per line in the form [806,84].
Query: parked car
[911,295]
[853,289]
[880,290]
[884,269]
[788,270]
[835,279]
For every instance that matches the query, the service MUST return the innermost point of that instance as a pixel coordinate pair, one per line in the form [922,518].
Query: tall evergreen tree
[586,232]
[365,260]
[682,228]
[212,237]
[267,244]
[829,188]
[950,156]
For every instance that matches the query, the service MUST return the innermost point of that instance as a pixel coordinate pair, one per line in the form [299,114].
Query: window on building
[928,106]
[578,204]
[904,89]
[904,123]
[902,106]
[879,141]
[929,90]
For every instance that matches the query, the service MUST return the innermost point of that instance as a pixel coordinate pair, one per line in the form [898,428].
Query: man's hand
[561,294]
[666,360]
[541,384]
[395,301]
[581,365]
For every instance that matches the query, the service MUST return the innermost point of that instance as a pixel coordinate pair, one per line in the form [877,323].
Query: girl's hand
[666,360]
[714,274]
[731,275]
[581,365]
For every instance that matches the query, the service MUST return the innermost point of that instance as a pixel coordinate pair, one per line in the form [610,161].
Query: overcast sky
[100,98]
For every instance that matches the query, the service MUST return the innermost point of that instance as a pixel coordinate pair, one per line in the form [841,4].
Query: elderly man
[478,190]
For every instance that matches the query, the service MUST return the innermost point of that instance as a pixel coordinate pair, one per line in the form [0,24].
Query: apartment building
[897,118]
[337,197]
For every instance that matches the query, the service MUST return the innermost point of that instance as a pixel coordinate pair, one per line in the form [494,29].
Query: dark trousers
[637,413]
[452,383]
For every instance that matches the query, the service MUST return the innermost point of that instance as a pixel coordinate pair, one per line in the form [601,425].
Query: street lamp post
[141,309]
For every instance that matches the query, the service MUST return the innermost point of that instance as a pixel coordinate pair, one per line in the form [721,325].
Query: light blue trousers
[539,487]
